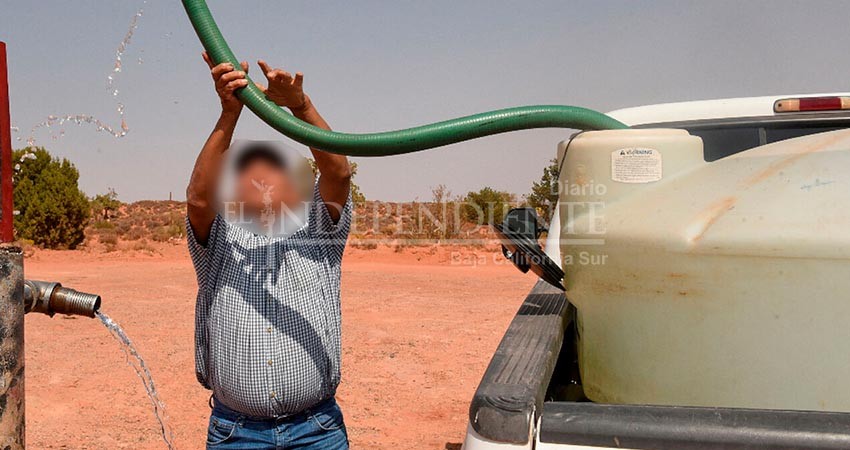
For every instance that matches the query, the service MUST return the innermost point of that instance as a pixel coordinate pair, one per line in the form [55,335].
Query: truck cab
[531,395]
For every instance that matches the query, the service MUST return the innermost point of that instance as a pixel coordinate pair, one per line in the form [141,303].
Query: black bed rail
[511,393]
[685,428]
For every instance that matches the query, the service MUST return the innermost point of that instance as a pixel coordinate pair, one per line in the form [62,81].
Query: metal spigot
[48,297]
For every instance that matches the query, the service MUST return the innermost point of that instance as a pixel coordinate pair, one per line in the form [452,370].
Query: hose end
[49,298]
[74,303]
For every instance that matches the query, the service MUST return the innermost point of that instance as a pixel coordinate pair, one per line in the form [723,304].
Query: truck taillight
[808,104]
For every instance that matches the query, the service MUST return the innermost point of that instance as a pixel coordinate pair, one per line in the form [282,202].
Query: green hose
[391,142]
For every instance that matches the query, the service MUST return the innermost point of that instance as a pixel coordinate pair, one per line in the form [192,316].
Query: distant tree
[440,218]
[544,193]
[441,194]
[106,205]
[487,206]
[53,212]
[356,195]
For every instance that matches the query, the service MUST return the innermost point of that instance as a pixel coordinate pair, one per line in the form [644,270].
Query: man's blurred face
[264,187]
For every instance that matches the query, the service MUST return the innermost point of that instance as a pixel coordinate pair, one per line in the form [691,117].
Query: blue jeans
[317,428]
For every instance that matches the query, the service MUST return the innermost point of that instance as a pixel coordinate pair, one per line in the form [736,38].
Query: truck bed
[531,390]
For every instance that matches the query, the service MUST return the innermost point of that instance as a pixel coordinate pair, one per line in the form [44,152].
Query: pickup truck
[531,397]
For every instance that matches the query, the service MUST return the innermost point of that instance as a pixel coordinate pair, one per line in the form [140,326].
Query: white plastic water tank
[709,284]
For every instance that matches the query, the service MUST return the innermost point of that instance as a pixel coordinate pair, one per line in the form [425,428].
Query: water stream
[55,123]
[138,364]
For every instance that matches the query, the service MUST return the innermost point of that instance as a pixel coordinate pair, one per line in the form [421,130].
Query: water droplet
[81,119]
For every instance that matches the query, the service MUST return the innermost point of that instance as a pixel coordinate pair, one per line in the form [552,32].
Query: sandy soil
[419,327]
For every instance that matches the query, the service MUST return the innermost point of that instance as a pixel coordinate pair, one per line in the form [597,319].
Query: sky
[381,65]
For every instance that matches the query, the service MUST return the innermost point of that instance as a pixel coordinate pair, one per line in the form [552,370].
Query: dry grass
[135,225]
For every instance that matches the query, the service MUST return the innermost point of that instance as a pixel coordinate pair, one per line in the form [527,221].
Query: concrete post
[12,405]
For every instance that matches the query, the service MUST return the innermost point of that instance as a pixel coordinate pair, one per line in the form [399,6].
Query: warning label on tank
[636,165]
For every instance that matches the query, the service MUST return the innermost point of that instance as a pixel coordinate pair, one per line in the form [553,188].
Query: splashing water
[81,119]
[135,361]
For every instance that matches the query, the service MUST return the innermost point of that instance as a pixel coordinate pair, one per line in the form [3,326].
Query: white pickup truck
[531,395]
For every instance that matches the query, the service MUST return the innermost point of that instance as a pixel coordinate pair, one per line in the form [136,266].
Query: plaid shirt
[267,319]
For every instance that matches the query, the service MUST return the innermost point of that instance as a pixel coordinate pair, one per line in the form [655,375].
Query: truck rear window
[724,140]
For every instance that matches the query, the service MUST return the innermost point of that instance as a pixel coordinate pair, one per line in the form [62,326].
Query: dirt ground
[419,327]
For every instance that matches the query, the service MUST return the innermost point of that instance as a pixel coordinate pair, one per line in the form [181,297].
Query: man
[267,326]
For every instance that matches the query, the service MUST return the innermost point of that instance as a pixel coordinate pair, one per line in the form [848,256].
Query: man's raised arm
[287,91]
[200,195]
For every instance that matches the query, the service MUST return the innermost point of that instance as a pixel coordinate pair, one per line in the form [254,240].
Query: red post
[6,207]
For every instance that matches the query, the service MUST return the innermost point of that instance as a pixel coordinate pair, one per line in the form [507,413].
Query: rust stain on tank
[783,163]
[605,287]
[708,217]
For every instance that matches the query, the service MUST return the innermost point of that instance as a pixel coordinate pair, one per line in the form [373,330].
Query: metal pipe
[50,297]
[12,405]
[6,194]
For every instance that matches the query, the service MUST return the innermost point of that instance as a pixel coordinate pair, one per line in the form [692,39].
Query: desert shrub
[487,206]
[122,227]
[134,234]
[364,244]
[437,220]
[109,238]
[105,206]
[144,246]
[544,193]
[53,210]
[356,195]
[165,233]
[103,225]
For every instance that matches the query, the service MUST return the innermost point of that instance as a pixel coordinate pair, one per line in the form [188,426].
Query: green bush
[103,225]
[487,206]
[544,193]
[53,210]
[122,227]
[167,232]
[105,205]
[357,197]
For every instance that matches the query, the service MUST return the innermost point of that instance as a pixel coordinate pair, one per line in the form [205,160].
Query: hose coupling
[50,297]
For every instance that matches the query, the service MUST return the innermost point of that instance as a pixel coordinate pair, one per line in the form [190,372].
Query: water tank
[709,284]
